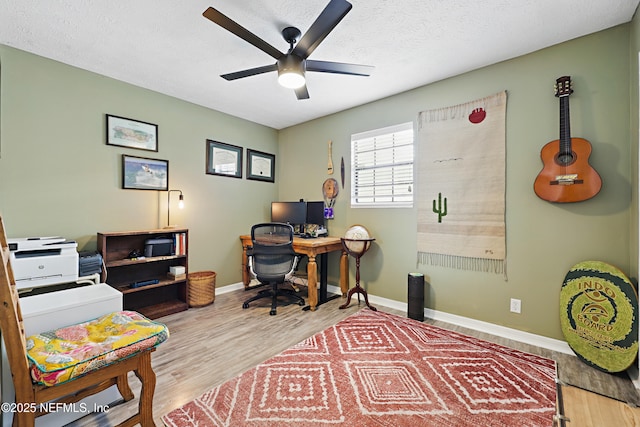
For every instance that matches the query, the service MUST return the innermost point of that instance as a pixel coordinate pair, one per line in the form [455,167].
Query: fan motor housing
[291,71]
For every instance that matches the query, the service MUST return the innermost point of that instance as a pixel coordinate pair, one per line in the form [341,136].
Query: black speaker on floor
[416,297]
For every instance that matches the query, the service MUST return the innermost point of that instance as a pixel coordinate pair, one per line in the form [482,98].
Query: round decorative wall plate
[598,315]
[330,188]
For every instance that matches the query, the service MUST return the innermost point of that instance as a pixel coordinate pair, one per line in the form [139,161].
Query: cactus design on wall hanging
[440,211]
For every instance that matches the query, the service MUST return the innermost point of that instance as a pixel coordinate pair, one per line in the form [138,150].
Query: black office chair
[272,261]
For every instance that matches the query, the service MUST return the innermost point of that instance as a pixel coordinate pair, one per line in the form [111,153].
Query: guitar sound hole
[565,159]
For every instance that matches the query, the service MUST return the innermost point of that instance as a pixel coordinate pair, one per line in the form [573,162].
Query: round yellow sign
[598,306]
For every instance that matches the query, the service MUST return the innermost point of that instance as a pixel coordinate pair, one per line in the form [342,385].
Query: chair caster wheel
[301,303]
[245,305]
[272,312]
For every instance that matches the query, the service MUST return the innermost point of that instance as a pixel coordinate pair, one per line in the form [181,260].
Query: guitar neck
[565,128]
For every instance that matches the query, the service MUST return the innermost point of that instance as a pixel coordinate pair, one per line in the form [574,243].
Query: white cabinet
[54,310]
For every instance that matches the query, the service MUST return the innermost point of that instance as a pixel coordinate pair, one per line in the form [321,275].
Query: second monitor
[315,213]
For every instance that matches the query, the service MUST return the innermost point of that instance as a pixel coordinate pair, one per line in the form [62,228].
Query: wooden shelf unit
[167,296]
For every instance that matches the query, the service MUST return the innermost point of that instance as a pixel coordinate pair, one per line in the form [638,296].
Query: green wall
[634,112]
[58,177]
[543,240]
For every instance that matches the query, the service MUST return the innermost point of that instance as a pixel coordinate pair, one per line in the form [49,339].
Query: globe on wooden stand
[356,242]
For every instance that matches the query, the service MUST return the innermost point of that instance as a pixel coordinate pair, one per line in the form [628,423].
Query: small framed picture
[140,173]
[223,159]
[129,133]
[261,166]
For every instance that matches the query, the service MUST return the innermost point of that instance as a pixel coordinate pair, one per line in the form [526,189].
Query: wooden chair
[32,393]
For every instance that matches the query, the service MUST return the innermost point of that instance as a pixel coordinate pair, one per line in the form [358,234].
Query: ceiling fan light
[291,80]
[291,72]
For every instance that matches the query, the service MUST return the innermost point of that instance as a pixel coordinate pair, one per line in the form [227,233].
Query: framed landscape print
[261,166]
[224,159]
[129,133]
[140,173]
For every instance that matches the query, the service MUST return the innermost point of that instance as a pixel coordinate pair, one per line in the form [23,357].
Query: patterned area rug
[379,369]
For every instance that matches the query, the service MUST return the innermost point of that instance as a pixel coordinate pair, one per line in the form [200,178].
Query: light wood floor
[212,344]
[586,409]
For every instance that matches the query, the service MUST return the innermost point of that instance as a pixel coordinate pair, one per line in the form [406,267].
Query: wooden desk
[311,248]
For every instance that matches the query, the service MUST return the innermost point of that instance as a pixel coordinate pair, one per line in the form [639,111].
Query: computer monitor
[315,213]
[294,213]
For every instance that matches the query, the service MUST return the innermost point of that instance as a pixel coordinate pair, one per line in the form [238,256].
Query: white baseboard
[634,374]
[229,288]
[490,328]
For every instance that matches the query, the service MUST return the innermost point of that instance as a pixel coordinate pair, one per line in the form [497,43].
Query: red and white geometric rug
[379,369]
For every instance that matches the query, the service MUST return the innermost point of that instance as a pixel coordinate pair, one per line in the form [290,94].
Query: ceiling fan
[291,67]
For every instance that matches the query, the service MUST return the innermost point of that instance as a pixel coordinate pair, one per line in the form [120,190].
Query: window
[382,167]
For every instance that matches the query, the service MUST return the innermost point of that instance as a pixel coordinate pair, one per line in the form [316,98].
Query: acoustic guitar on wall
[566,175]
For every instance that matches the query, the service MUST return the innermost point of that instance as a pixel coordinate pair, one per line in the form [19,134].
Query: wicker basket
[202,288]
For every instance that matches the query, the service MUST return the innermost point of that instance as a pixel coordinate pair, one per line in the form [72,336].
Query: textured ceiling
[169,47]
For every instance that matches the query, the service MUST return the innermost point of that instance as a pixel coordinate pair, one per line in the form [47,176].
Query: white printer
[43,261]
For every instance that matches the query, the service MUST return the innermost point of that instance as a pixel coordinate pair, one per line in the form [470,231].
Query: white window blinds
[382,167]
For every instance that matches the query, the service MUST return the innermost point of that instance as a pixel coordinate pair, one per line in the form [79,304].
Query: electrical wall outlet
[515,305]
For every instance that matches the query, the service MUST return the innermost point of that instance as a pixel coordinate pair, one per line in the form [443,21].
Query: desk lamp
[180,205]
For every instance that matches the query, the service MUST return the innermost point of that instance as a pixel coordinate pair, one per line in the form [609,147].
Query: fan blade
[302,92]
[237,29]
[339,68]
[326,21]
[250,72]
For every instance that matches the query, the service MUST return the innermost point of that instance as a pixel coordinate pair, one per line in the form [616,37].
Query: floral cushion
[65,354]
